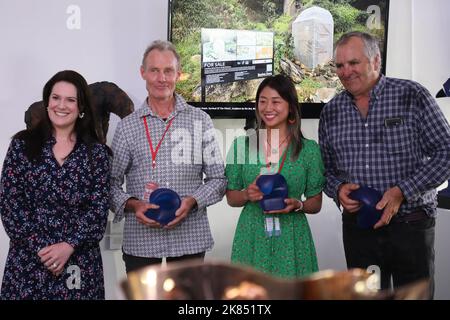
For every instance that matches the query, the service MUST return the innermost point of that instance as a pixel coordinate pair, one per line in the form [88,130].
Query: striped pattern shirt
[404,142]
[189,162]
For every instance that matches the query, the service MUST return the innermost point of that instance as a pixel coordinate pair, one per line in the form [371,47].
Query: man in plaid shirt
[388,134]
[170,144]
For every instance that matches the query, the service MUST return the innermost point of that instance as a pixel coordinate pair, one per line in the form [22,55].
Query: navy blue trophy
[168,201]
[368,214]
[275,190]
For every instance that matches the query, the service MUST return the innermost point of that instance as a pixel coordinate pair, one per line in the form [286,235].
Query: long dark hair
[286,89]
[35,137]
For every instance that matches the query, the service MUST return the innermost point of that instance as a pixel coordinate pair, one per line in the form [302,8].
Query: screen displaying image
[227,47]
[230,56]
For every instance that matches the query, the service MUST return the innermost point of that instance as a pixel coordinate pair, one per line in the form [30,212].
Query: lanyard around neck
[154,152]
[283,158]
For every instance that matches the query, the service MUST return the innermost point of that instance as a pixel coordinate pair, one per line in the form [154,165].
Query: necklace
[271,151]
[269,163]
[275,149]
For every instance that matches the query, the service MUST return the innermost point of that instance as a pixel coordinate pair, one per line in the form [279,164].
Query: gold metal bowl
[213,280]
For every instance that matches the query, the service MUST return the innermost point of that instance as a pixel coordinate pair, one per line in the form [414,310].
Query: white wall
[431,67]
[36,43]
[418,50]
[109,46]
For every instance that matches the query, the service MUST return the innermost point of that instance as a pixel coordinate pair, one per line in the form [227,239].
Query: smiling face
[161,73]
[63,105]
[273,109]
[357,73]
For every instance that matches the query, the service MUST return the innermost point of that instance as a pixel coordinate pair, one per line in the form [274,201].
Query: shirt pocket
[398,139]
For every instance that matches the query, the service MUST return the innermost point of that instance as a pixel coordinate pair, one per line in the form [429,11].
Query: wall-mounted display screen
[228,46]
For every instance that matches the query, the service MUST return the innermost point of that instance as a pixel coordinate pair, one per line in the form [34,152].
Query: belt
[410,217]
[398,218]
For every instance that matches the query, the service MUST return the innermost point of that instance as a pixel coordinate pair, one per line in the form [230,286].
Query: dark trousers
[403,250]
[133,263]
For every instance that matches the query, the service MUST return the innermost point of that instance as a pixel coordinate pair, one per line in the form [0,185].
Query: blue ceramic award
[168,201]
[275,190]
[368,215]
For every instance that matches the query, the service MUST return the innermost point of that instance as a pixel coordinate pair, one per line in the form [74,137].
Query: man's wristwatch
[300,202]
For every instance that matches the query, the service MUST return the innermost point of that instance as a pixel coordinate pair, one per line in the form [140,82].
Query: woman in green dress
[275,242]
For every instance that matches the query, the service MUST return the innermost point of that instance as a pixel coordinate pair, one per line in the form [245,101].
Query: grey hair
[371,47]
[161,45]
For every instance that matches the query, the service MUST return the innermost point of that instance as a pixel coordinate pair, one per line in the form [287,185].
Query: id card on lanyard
[272,224]
[151,186]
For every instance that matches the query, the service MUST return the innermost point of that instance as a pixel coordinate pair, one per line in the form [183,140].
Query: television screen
[228,47]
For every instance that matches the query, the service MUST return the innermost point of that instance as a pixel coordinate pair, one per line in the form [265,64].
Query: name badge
[393,122]
[277,226]
[268,225]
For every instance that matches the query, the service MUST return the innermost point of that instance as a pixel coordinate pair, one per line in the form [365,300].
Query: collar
[180,106]
[379,87]
[376,91]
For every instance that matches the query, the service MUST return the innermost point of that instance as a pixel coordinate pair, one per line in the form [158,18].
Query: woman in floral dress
[276,242]
[54,199]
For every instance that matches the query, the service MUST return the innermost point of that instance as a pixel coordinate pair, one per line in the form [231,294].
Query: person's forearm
[192,202]
[131,204]
[312,205]
[212,190]
[236,198]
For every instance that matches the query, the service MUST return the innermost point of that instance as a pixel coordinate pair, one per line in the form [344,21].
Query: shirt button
[366,125]
[367,166]
[367,145]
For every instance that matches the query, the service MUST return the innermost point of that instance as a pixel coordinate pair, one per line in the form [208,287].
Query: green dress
[292,254]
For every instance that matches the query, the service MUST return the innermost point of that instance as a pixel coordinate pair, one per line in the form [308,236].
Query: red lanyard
[282,160]
[155,152]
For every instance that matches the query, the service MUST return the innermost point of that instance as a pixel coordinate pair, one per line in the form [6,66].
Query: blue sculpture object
[168,201]
[368,215]
[275,190]
[443,197]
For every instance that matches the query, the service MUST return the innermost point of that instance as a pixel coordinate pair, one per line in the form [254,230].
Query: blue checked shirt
[189,162]
[404,142]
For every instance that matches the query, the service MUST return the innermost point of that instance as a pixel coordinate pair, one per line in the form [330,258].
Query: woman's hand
[55,256]
[238,198]
[252,193]
[291,205]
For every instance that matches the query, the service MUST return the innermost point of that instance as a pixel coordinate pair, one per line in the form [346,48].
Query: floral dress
[291,254]
[43,203]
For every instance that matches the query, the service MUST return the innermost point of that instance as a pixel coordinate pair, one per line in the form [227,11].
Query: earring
[81,115]
[292,121]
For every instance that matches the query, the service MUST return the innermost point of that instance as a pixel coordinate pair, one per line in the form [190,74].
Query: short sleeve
[315,176]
